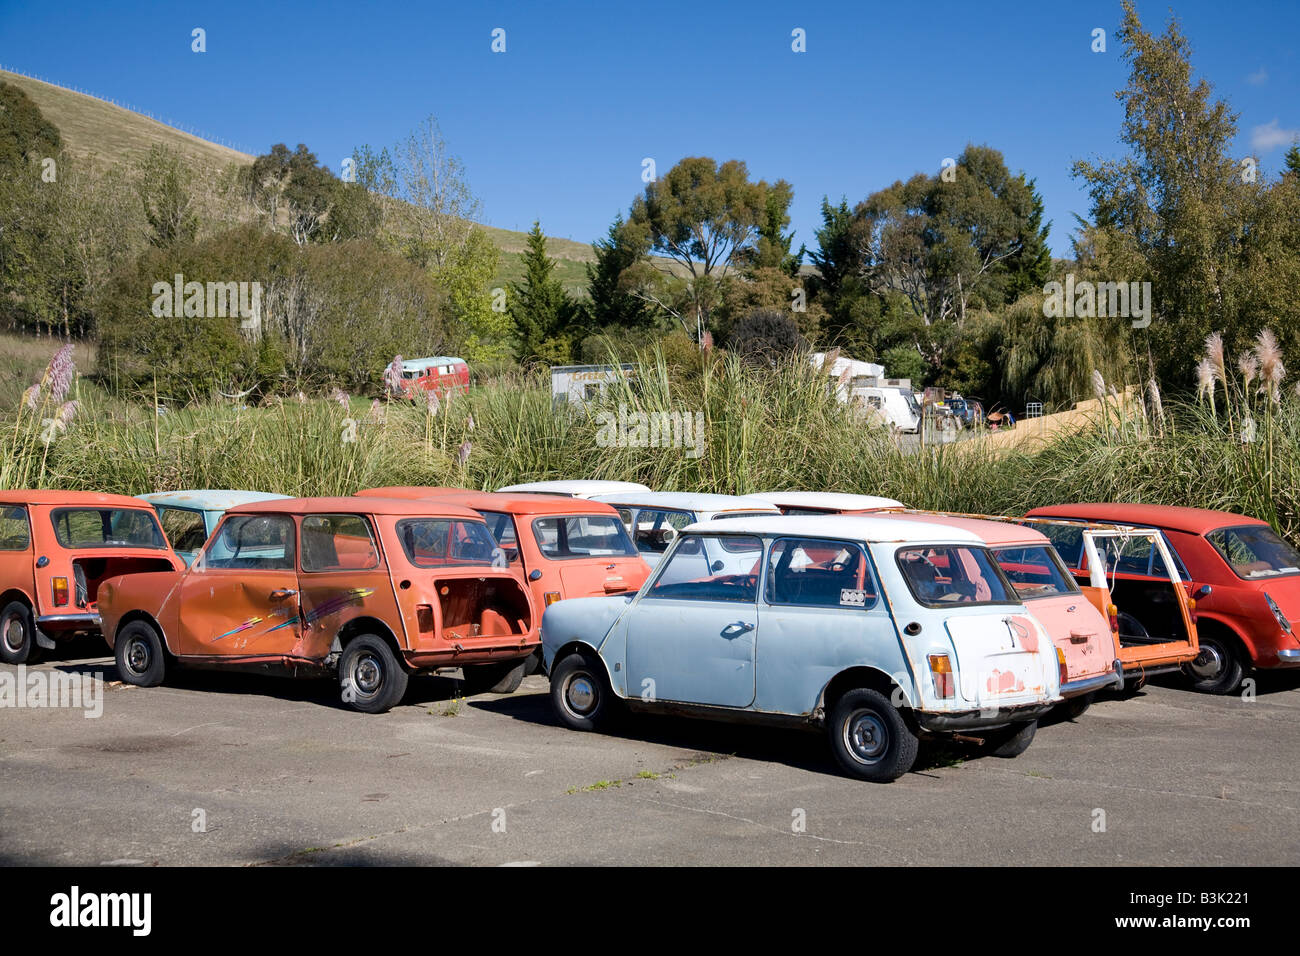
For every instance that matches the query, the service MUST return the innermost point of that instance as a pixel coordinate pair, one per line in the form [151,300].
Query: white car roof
[826,499]
[867,528]
[576,488]
[698,502]
[207,499]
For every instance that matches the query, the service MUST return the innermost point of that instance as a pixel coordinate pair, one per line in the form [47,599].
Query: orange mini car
[370,588]
[56,547]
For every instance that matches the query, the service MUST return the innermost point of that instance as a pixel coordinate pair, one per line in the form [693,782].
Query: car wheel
[139,653]
[495,678]
[1219,667]
[870,739]
[580,694]
[17,633]
[1075,707]
[371,678]
[534,663]
[1011,741]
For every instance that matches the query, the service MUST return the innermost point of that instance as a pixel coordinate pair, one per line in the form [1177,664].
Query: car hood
[581,619]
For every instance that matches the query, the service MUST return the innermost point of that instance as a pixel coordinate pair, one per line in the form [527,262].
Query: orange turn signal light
[60,587]
[550,597]
[941,674]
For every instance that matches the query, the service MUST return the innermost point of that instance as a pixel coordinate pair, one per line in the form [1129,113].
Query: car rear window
[583,536]
[1035,572]
[15,533]
[107,528]
[338,542]
[954,575]
[440,542]
[1255,551]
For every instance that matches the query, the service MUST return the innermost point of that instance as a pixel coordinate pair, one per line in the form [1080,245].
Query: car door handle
[279,594]
[736,628]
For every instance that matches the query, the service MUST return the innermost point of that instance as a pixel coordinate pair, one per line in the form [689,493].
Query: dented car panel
[290,582]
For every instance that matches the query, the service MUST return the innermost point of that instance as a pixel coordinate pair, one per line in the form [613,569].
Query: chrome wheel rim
[580,695]
[14,633]
[866,736]
[137,656]
[1208,663]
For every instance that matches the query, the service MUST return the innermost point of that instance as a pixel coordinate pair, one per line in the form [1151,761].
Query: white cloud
[1271,136]
[1259,77]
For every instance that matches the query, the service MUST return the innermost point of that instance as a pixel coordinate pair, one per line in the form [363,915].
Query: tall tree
[700,214]
[612,301]
[165,186]
[541,309]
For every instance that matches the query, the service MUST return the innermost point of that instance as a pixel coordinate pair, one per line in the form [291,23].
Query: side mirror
[668,534]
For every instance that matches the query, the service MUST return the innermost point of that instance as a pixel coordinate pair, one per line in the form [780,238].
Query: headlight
[1277,613]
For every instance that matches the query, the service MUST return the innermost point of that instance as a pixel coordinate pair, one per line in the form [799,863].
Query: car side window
[814,572]
[184,528]
[1067,539]
[338,543]
[695,573]
[252,543]
[15,531]
[651,530]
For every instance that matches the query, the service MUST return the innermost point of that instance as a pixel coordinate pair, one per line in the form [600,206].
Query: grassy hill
[109,134]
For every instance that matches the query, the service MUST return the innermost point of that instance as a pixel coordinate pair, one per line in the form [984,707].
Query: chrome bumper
[1089,684]
[986,719]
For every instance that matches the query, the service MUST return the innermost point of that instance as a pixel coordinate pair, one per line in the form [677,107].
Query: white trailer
[578,384]
[888,401]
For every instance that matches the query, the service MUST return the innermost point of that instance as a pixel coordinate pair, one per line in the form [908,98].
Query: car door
[342,572]
[692,635]
[240,598]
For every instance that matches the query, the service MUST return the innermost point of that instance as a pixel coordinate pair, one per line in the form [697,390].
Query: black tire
[1075,707]
[870,739]
[1010,741]
[371,678]
[17,634]
[1220,667]
[495,678]
[581,695]
[141,658]
[534,663]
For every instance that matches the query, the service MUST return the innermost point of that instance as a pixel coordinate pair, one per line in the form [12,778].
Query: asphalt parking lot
[229,769]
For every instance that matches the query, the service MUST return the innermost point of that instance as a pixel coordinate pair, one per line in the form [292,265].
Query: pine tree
[541,309]
[611,304]
[1293,159]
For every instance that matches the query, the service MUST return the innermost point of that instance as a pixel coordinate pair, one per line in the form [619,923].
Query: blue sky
[556,127]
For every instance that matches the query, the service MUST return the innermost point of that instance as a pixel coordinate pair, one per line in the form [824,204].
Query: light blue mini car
[189,517]
[881,631]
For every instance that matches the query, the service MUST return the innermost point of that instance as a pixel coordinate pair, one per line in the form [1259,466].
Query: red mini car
[370,588]
[1244,579]
[56,547]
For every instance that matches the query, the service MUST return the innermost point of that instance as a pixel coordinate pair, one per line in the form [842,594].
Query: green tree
[612,303]
[165,185]
[766,337]
[700,215]
[542,311]
[26,136]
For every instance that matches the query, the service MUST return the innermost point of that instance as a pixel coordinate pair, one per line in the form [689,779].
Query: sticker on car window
[853,598]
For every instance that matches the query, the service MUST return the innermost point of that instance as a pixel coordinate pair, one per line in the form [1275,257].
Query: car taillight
[424,617]
[1114,619]
[941,674]
[1060,665]
[1282,622]
[60,587]
[550,597]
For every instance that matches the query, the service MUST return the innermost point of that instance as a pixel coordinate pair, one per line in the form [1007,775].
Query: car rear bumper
[982,719]
[1086,685]
[67,622]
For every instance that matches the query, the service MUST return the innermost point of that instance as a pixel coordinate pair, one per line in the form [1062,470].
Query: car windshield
[953,574]
[1254,551]
[1035,572]
[107,528]
[583,536]
[438,542]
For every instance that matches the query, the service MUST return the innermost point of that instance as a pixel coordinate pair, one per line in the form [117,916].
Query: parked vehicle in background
[1243,578]
[576,385]
[654,518]
[1088,649]
[56,550]
[441,374]
[825,502]
[575,488]
[562,547]
[189,517]
[890,402]
[968,411]
[843,623]
[368,588]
